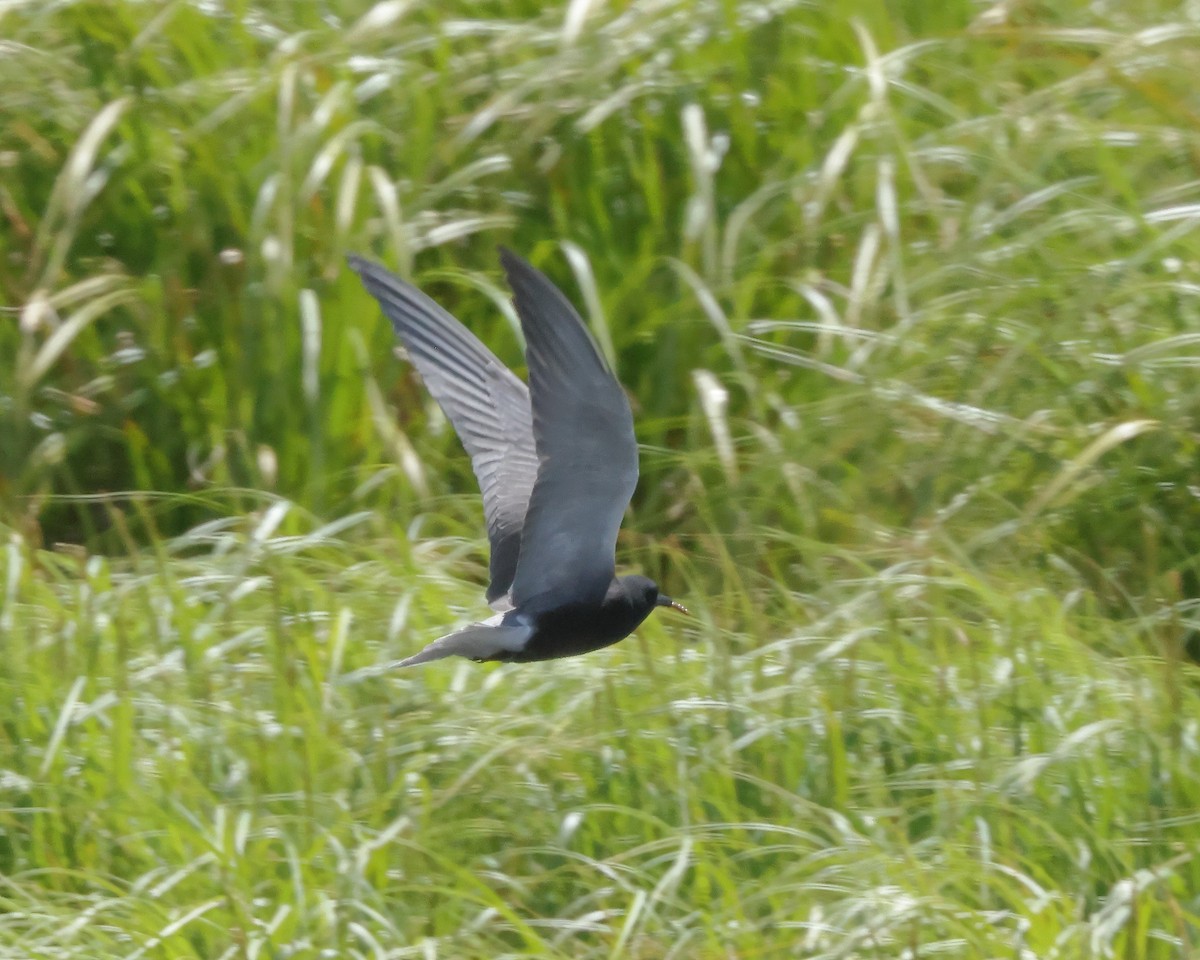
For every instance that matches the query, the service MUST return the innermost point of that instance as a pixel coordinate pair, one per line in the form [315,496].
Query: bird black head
[644,593]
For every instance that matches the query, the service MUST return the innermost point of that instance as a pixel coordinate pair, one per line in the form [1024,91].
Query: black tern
[556,463]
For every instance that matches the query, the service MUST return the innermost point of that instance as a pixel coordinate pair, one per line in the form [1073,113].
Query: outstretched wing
[587,453]
[486,403]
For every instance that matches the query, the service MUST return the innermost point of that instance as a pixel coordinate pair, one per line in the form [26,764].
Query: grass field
[907,298]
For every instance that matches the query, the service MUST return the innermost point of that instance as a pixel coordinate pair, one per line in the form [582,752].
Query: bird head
[644,593]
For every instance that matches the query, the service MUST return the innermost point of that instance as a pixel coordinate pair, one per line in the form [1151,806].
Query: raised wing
[486,403]
[586,450]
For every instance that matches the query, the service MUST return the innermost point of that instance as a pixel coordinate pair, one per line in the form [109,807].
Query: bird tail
[479,641]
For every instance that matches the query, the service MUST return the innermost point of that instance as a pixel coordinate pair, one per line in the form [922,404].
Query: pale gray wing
[486,403]
[587,454]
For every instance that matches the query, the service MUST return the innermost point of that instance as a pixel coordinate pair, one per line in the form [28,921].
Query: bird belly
[568,632]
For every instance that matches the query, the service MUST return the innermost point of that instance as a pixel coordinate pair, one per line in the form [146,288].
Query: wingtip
[524,279]
[357,263]
[513,263]
[371,273]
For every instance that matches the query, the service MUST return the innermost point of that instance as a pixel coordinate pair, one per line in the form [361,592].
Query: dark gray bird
[556,463]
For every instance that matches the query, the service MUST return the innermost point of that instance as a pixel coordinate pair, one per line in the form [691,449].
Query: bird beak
[665,601]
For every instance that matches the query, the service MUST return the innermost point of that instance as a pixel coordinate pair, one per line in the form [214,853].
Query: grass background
[906,298]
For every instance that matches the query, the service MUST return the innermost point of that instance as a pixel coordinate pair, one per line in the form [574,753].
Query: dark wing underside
[484,401]
[585,444]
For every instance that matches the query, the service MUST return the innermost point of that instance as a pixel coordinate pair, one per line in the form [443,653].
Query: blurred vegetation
[906,298]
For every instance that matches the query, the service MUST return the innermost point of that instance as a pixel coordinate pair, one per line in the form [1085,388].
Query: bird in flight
[556,463]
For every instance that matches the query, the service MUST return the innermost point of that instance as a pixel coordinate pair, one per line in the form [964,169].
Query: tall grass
[905,297]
